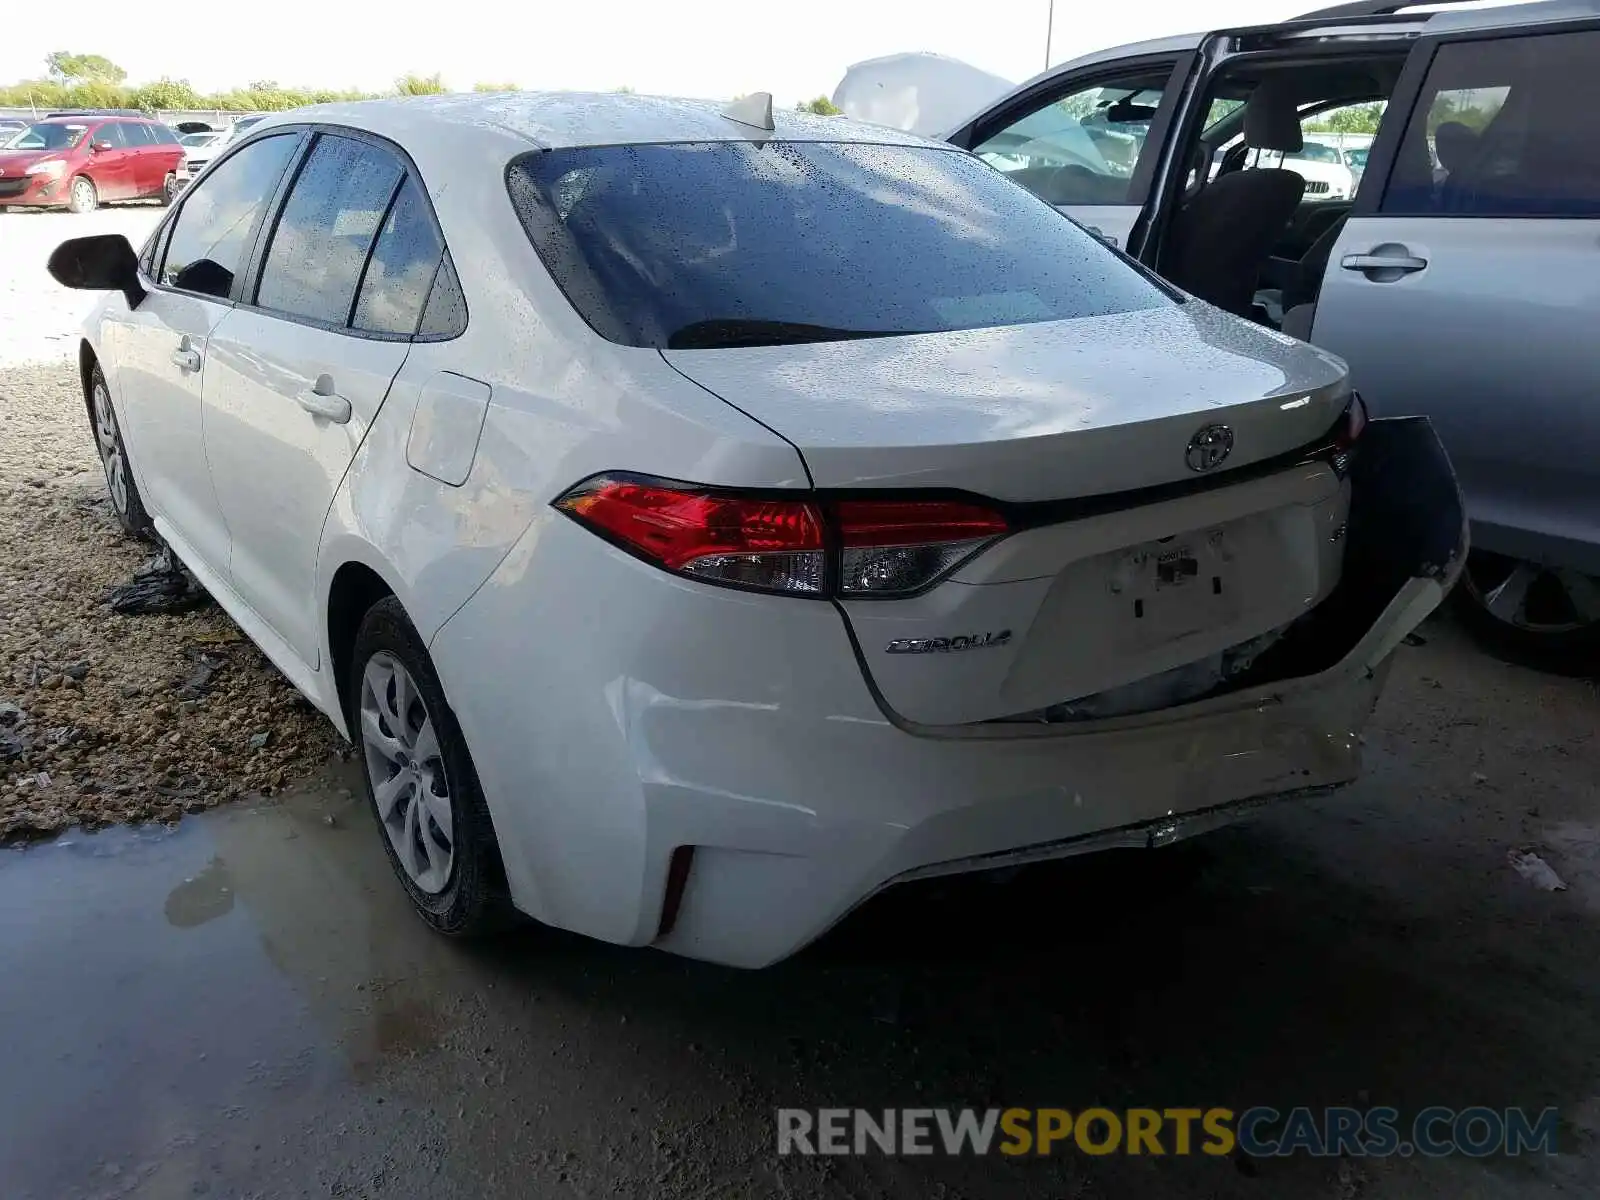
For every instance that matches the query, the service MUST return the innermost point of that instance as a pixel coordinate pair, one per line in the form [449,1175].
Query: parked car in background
[1457,280]
[198,149]
[9,128]
[892,527]
[79,163]
[243,126]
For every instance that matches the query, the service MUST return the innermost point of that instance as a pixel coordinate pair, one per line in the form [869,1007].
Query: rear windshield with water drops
[706,244]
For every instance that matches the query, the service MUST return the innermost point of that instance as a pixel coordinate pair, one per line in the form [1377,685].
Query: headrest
[1271,120]
[1454,143]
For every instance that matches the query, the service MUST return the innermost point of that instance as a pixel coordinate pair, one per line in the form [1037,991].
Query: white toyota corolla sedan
[703,518]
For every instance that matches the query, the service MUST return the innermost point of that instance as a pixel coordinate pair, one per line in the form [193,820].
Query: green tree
[495,87]
[164,94]
[68,67]
[1356,118]
[822,106]
[419,85]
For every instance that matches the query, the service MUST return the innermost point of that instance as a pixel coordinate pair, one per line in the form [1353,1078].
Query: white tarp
[923,93]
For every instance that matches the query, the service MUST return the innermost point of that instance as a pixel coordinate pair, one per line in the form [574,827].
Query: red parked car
[80,162]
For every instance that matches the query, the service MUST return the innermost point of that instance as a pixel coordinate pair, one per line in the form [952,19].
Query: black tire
[474,900]
[1549,647]
[106,430]
[169,189]
[82,195]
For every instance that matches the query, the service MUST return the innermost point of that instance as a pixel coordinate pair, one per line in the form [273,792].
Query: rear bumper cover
[653,713]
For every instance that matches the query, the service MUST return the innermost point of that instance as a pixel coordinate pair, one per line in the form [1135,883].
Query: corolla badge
[946,645]
[1209,447]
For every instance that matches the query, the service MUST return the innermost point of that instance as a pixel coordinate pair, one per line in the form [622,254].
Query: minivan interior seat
[1221,237]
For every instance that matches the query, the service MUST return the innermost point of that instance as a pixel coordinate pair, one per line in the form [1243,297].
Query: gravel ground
[105,717]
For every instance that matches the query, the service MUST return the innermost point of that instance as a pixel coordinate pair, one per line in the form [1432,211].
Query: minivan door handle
[1393,265]
[320,400]
[186,357]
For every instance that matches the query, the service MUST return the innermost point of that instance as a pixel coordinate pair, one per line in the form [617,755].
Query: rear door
[149,158]
[298,372]
[1465,288]
[1088,141]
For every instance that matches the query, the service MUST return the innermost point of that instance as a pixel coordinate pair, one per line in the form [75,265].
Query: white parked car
[702,521]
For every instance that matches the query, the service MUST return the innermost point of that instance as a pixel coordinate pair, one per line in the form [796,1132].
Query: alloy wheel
[108,438]
[405,766]
[1531,597]
[83,194]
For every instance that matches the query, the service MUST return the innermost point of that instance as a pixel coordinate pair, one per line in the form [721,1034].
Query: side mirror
[98,147]
[105,262]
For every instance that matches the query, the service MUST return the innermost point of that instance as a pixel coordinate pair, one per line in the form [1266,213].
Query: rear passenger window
[110,134]
[314,260]
[138,135]
[1503,128]
[404,262]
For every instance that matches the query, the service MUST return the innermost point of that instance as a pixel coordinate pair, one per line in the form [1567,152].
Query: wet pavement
[243,1006]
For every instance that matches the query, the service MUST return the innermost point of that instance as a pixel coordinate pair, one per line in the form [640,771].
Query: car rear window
[737,243]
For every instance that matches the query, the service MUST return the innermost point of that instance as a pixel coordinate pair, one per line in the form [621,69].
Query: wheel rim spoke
[425,746]
[439,809]
[391,792]
[376,739]
[1507,600]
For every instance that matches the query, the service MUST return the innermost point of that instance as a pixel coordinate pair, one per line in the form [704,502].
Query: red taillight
[899,547]
[1351,425]
[769,545]
[882,548]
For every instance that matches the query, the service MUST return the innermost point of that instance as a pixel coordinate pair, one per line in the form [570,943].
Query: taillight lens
[899,547]
[1343,450]
[761,544]
[878,548]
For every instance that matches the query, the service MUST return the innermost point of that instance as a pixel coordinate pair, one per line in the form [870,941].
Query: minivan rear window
[705,244]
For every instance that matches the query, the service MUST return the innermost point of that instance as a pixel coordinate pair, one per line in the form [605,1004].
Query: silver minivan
[1462,279]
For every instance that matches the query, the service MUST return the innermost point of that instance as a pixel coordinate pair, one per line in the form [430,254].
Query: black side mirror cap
[104,262]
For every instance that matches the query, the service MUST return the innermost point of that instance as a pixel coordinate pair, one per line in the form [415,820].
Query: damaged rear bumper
[736,818]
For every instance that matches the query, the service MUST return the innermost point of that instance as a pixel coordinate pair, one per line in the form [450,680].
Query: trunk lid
[1033,412]
[1136,586]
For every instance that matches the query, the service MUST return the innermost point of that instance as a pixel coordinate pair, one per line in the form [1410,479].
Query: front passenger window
[1080,148]
[313,263]
[211,234]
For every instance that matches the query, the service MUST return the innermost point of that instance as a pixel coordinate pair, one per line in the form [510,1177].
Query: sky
[794,49]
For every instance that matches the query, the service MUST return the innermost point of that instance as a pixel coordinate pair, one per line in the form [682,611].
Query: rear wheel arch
[354,589]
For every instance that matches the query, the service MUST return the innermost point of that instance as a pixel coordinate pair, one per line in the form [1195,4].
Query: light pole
[1049,29]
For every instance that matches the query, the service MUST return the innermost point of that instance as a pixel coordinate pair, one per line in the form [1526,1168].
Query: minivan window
[110,134]
[138,134]
[402,268]
[314,260]
[211,233]
[49,135]
[1081,147]
[740,243]
[1504,128]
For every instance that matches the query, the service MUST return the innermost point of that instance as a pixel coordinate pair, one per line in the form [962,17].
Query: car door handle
[1403,263]
[320,400]
[186,357]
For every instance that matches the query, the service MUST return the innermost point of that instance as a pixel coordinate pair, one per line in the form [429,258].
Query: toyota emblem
[1209,447]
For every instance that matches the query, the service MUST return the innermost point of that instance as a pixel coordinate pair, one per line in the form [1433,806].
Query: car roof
[552,120]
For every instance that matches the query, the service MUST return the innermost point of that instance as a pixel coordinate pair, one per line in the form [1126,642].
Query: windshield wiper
[747,331]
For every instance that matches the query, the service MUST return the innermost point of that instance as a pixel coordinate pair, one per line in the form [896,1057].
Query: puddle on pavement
[156,984]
